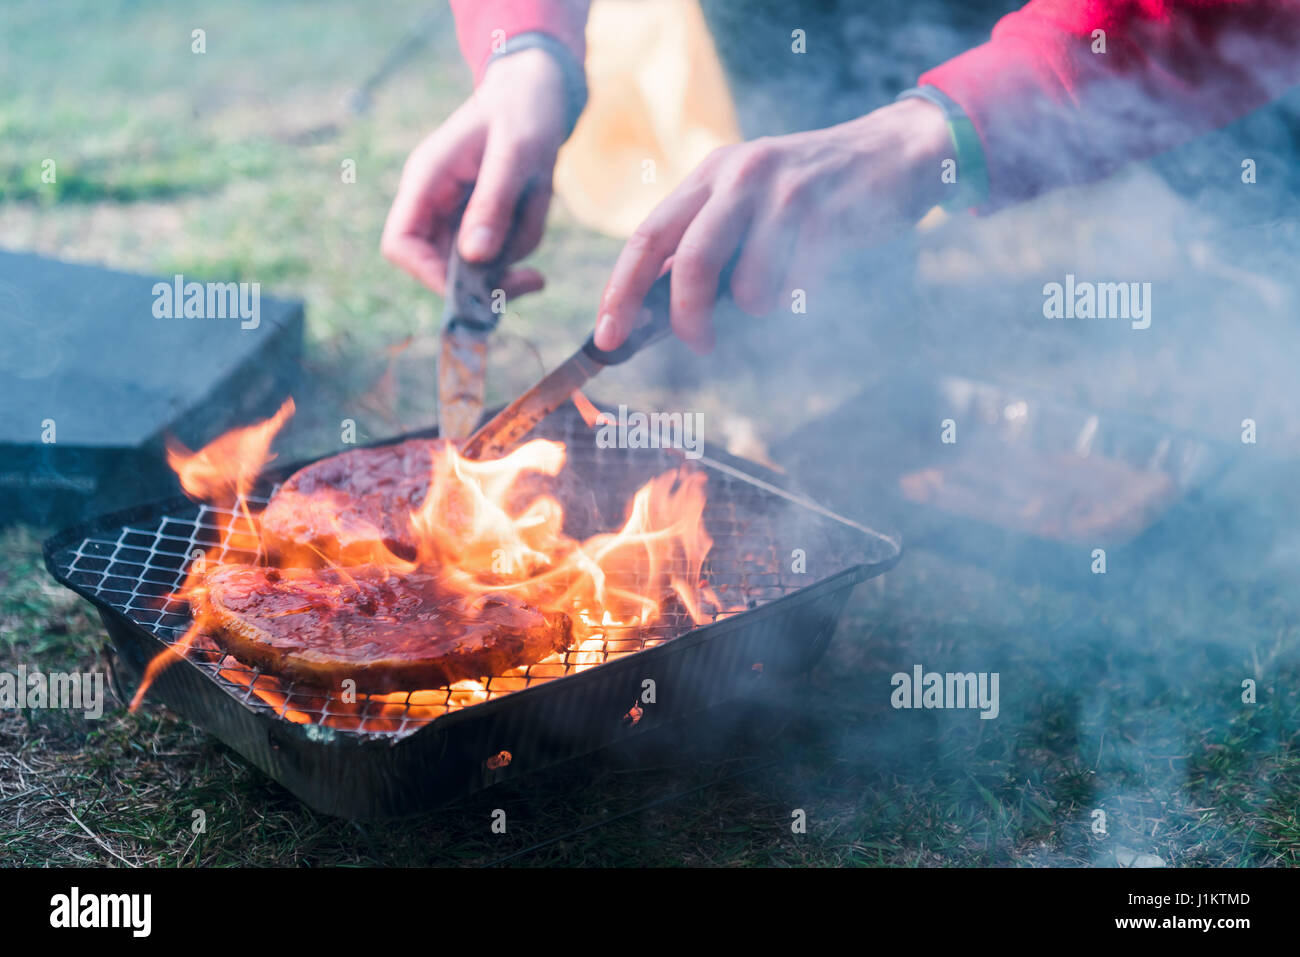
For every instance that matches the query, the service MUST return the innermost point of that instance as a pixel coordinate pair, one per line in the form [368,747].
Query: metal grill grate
[136,568]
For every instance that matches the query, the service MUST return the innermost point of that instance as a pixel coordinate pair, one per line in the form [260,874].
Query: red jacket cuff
[483,25]
[1050,111]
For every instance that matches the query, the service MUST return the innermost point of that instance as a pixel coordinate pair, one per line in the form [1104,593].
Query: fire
[486,527]
[590,414]
[223,471]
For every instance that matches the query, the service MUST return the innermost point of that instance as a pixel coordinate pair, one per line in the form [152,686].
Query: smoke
[1126,692]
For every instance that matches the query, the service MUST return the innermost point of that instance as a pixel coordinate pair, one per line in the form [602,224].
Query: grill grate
[135,569]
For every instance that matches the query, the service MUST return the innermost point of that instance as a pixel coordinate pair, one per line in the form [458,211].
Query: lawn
[1121,697]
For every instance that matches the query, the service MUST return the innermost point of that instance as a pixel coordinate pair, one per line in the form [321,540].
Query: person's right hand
[501,142]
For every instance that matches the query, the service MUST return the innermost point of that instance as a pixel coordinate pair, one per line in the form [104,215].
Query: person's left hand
[780,208]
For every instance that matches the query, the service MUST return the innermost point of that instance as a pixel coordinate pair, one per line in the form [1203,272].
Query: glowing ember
[485,527]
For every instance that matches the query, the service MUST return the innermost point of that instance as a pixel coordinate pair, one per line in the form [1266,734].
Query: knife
[467,322]
[516,420]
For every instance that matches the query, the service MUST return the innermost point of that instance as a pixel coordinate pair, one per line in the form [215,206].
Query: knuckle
[756,158]
[791,192]
[717,158]
[645,239]
[697,259]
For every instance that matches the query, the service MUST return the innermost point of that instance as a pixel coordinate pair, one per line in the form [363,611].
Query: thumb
[508,165]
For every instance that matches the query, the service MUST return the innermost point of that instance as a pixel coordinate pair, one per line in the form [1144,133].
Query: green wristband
[972,186]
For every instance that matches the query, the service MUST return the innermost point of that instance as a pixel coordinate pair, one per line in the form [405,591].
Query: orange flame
[590,414]
[223,471]
[486,526]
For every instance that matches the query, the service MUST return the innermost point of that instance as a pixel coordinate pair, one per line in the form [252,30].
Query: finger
[425,259]
[520,282]
[641,262]
[509,164]
[417,231]
[706,247]
[531,222]
[760,277]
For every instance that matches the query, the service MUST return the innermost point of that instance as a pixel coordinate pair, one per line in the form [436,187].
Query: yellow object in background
[658,104]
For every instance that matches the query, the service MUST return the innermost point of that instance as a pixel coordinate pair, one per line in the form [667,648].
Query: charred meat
[346,508]
[386,632]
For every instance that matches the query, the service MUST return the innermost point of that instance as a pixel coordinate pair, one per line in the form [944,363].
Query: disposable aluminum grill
[380,756]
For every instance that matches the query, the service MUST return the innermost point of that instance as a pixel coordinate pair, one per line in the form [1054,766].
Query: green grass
[227,165]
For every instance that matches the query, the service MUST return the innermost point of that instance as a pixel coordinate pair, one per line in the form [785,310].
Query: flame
[590,414]
[473,526]
[486,526]
[223,471]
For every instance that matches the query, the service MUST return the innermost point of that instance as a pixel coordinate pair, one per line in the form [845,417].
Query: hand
[780,208]
[501,142]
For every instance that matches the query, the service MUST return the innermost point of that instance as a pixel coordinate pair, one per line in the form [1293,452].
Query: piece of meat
[355,507]
[385,632]
[346,508]
[1065,497]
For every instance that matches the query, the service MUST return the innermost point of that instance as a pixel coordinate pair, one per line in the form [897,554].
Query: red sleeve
[482,25]
[1049,111]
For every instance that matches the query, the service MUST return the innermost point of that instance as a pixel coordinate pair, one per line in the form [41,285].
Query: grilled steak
[387,633]
[352,508]
[344,508]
